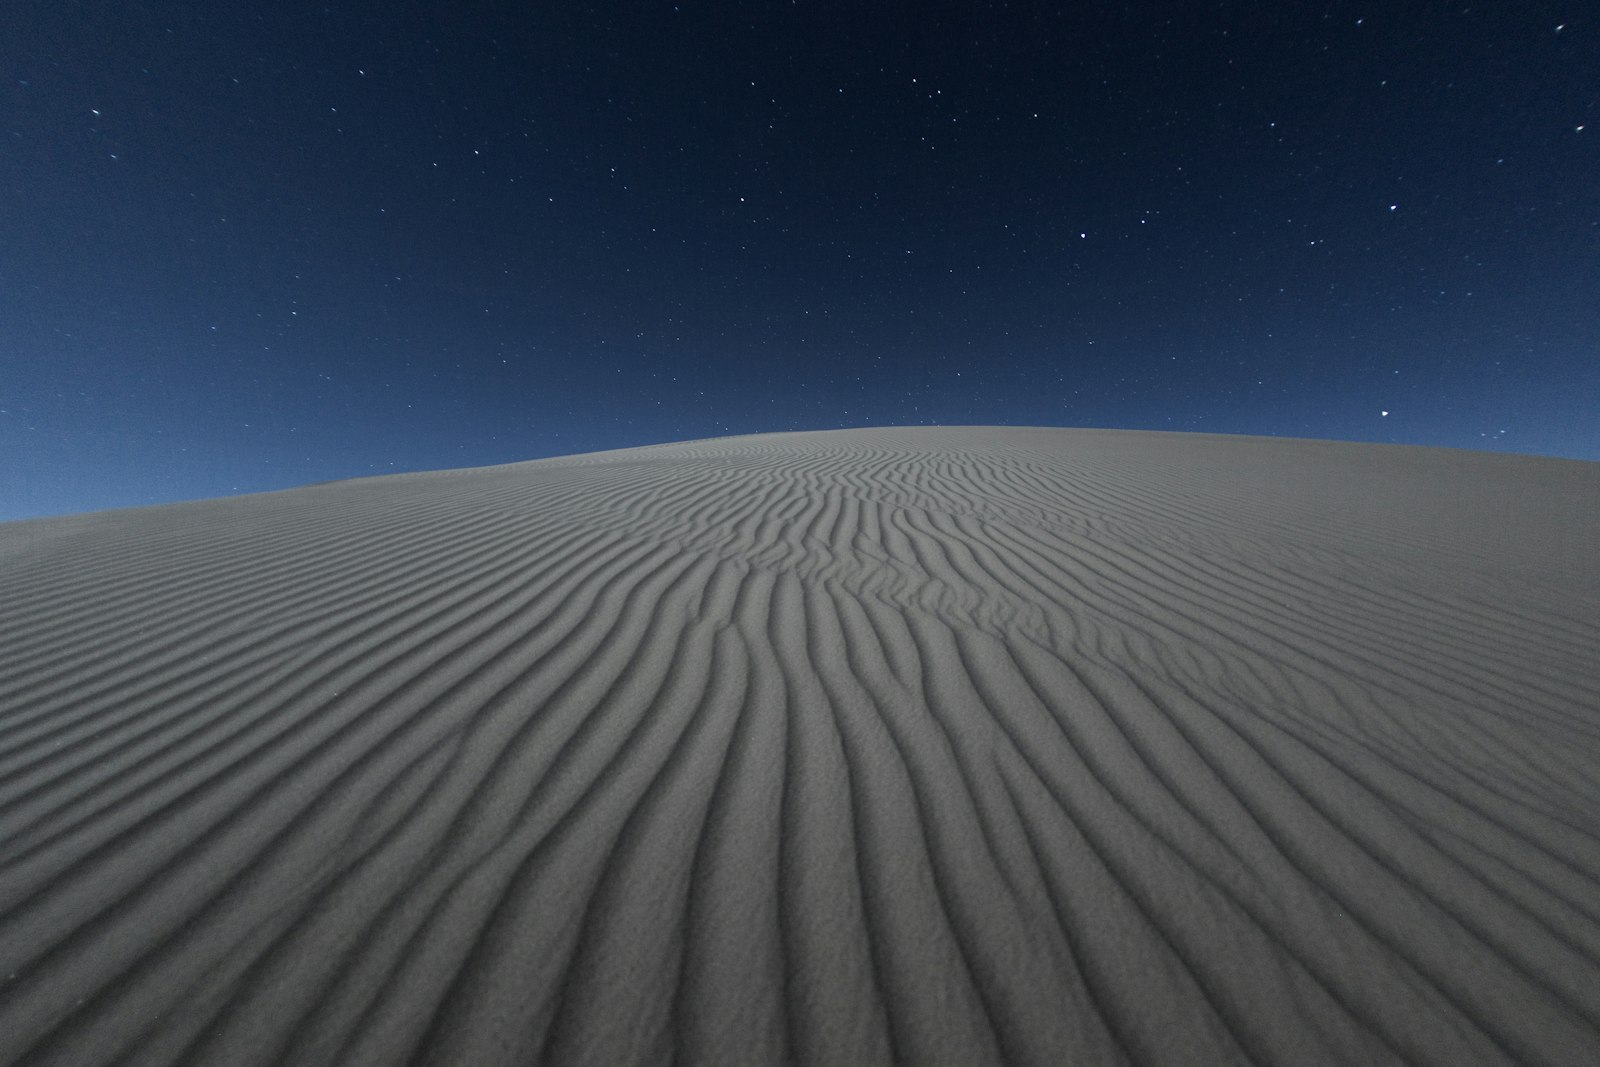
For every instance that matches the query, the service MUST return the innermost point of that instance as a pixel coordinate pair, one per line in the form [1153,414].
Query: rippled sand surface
[922,746]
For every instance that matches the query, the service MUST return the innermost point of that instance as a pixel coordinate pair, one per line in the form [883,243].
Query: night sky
[251,245]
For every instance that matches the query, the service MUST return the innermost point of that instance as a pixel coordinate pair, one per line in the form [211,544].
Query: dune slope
[919,746]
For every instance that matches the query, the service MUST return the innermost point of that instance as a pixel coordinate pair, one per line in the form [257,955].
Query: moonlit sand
[920,746]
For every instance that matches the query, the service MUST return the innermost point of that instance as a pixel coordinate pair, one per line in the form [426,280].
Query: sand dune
[921,746]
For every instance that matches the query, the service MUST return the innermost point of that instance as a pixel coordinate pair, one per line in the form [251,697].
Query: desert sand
[921,746]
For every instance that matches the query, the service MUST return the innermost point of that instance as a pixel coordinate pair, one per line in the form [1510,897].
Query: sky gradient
[250,246]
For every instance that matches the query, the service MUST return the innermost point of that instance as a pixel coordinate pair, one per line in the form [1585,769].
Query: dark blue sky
[254,245]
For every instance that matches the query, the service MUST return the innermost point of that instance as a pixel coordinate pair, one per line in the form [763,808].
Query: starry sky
[254,245]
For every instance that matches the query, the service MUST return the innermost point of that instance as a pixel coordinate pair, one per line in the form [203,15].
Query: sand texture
[920,746]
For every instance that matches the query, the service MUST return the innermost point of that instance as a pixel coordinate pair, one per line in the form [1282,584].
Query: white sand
[923,746]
